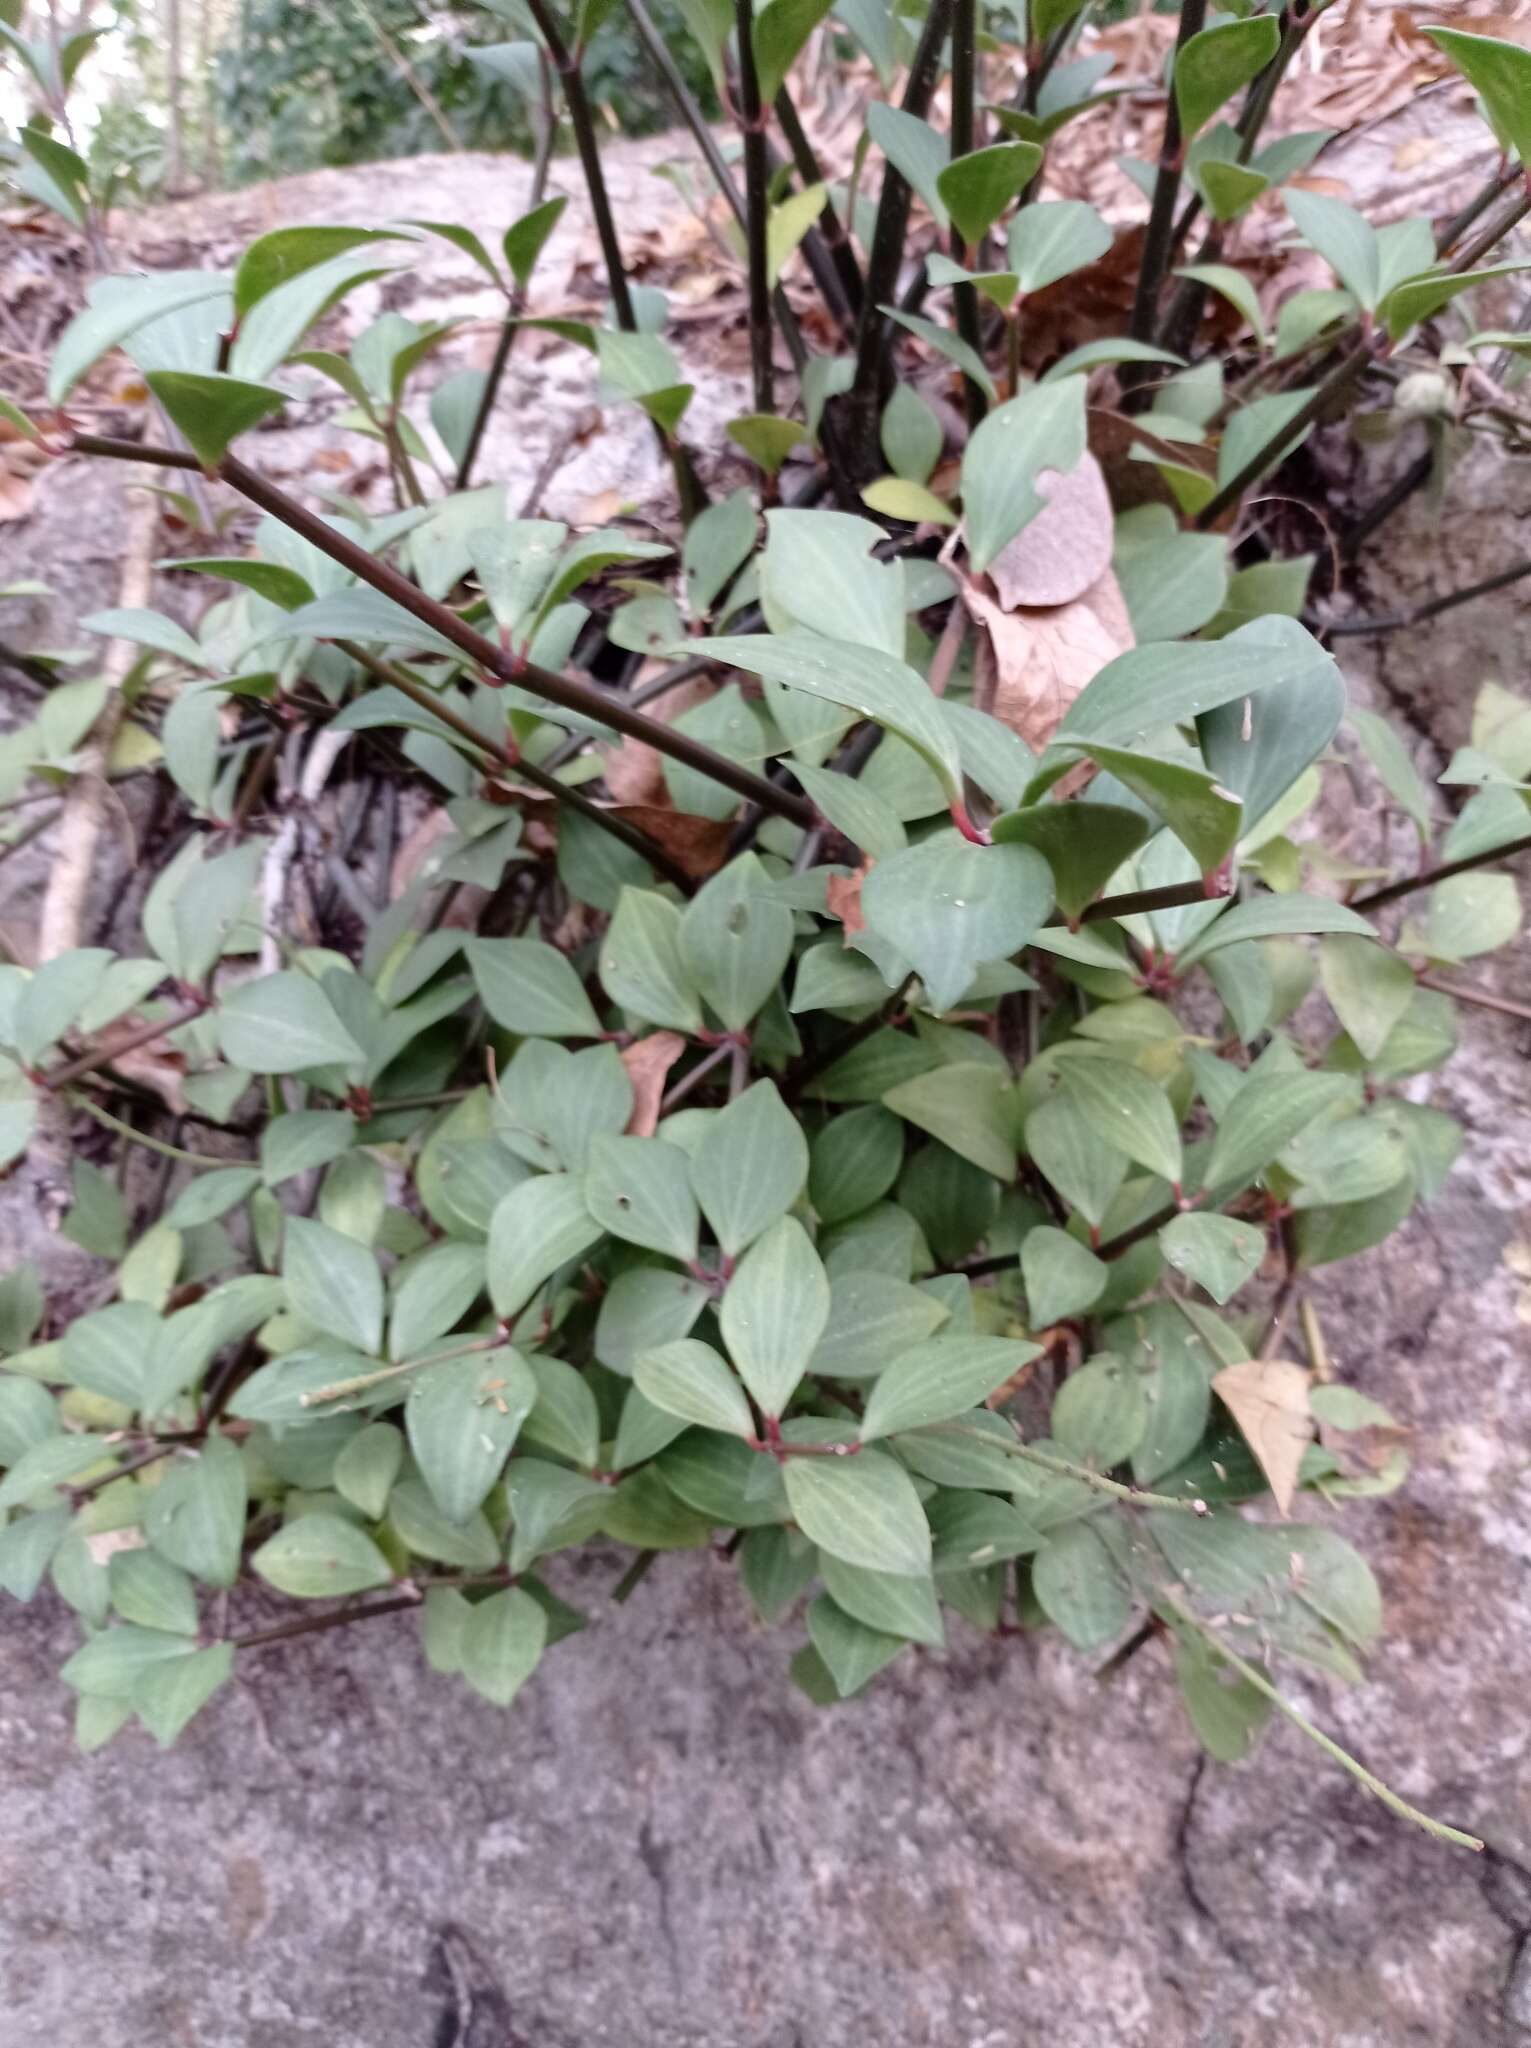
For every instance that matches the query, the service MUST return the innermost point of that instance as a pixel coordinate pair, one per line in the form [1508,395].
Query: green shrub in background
[863,1161]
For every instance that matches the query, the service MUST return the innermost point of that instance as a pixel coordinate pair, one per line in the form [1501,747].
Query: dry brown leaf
[648,1062]
[154,1066]
[1268,1399]
[1044,658]
[700,845]
[634,770]
[842,899]
[1065,548]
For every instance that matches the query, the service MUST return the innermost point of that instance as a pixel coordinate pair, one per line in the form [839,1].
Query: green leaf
[950,908]
[1233,286]
[1269,427]
[642,964]
[1126,1111]
[1154,687]
[1112,349]
[1079,1588]
[1217,1252]
[863,1509]
[781,29]
[196,1514]
[367,1466]
[27,1546]
[774,1312]
[116,309]
[1472,914]
[947,344]
[912,439]
[275,259]
[502,1644]
[462,1419]
[645,1307]
[940,1379]
[967,1105]
[148,629]
[882,1600]
[1261,747]
[172,1693]
[818,571]
[282,1024]
[896,498]
[718,543]
[915,151]
[1262,1120]
[978,187]
[640,1190]
[1419,298]
[1500,73]
[855,1160]
[526,238]
[536,1228]
[1226,1711]
[1173,582]
[212,409]
[1101,1412]
[437,1290]
[333,1283]
[1216,63]
[550,1507]
[872,1317]
[765,439]
[1204,817]
[320,1556]
[531,989]
[49,1002]
[735,943]
[1369,988]
[852,1653]
[1344,238]
[115,1663]
[1269,917]
[564,1417]
[1052,238]
[1229,189]
[690,1380]
[750,1167]
[304,1139]
[789,222]
[108,1352]
[422,1528]
[862,678]
[1044,428]
[1063,1277]
[52,1462]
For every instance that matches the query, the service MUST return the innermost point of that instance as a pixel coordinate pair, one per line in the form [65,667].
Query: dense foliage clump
[895,1151]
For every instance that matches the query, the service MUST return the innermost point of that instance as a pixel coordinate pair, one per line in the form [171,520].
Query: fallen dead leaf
[648,1062]
[1044,658]
[842,899]
[1066,548]
[1268,1399]
[152,1066]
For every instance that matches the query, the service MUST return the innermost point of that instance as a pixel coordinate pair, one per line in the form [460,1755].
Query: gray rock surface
[662,1846]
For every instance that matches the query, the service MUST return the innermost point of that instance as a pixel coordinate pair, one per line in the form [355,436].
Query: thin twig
[166,1151]
[756,208]
[103,1055]
[1430,876]
[1159,236]
[1064,1469]
[1481,998]
[1390,622]
[1252,1675]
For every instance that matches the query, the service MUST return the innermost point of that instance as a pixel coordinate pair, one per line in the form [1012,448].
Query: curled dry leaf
[1268,1399]
[1044,658]
[842,899]
[648,1061]
[698,845]
[1066,548]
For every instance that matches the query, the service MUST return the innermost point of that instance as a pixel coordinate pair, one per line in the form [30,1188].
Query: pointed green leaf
[320,1556]
[536,1228]
[950,908]
[735,942]
[640,1190]
[690,1380]
[195,1516]
[750,1166]
[1263,1118]
[1500,73]
[968,1106]
[526,238]
[1269,917]
[774,1312]
[1217,1252]
[531,989]
[1217,63]
[642,965]
[1044,428]
[1080,1589]
[940,1379]
[502,1643]
[863,1509]
[1063,1277]
[1127,1111]
[462,1418]
[212,409]
[282,1024]
[1052,238]
[333,1283]
[978,187]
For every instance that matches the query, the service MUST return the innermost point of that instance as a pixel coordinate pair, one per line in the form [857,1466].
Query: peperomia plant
[895,1151]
